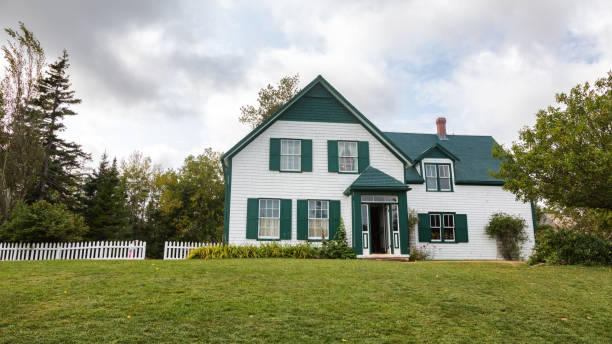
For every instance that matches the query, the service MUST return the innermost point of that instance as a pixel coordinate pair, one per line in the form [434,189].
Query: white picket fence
[179,250]
[73,250]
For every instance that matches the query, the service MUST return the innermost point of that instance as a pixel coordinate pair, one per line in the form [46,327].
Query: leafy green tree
[60,172]
[270,99]
[566,157]
[192,198]
[138,176]
[43,222]
[21,150]
[106,212]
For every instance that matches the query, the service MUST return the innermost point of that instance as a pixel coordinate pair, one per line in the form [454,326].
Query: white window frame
[265,200]
[318,218]
[443,233]
[355,157]
[427,176]
[450,186]
[438,227]
[299,143]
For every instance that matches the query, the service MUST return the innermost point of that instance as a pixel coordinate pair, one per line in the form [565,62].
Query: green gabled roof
[473,152]
[372,179]
[411,176]
[301,106]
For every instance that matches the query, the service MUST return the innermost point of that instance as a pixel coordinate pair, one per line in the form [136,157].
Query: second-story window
[347,156]
[291,155]
[438,177]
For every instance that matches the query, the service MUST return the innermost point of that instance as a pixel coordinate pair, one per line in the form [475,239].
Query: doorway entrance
[379,229]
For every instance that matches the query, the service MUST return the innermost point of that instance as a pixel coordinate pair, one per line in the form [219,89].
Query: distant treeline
[47,193]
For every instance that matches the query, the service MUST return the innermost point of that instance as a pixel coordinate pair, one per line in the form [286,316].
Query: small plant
[338,248]
[509,230]
[420,253]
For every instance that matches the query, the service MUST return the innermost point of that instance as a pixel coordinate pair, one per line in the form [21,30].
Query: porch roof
[372,179]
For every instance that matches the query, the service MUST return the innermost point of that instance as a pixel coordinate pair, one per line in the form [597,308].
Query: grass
[302,301]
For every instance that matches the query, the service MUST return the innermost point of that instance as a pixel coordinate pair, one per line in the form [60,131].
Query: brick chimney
[441,124]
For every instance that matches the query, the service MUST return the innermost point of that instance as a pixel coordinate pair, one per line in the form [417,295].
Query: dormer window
[438,177]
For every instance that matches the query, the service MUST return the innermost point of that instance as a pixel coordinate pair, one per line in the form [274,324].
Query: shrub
[272,250]
[338,247]
[43,222]
[509,230]
[420,253]
[570,246]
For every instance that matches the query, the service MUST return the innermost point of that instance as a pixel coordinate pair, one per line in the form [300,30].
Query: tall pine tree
[60,172]
[106,213]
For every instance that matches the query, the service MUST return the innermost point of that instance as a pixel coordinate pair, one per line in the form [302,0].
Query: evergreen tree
[106,213]
[60,172]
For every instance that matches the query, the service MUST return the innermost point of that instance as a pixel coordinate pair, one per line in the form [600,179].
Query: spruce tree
[60,172]
[106,213]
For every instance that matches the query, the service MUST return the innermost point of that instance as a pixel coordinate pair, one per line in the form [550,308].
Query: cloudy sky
[168,78]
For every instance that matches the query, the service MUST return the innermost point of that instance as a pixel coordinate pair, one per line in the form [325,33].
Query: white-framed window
[291,155]
[347,156]
[435,226]
[269,219]
[449,227]
[445,177]
[318,219]
[378,199]
[438,177]
[431,177]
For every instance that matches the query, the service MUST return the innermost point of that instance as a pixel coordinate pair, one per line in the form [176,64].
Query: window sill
[317,240]
[348,172]
[268,239]
[288,171]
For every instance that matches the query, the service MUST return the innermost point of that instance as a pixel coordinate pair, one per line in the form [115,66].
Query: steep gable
[313,103]
[318,105]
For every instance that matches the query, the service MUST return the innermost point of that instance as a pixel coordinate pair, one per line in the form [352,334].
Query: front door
[379,229]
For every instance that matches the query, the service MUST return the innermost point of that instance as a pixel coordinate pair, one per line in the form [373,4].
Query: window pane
[348,164]
[445,184]
[444,171]
[432,183]
[430,171]
[449,234]
[364,218]
[269,227]
[394,218]
[435,234]
[317,228]
[434,220]
[449,220]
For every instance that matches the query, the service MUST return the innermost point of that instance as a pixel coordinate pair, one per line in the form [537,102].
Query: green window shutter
[275,154]
[334,218]
[302,219]
[424,231]
[306,155]
[285,219]
[461,228]
[363,155]
[252,218]
[332,156]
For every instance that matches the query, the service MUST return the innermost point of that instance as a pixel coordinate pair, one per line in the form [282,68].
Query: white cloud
[172,82]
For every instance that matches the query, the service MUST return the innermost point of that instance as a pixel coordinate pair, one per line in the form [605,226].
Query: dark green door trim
[403,221]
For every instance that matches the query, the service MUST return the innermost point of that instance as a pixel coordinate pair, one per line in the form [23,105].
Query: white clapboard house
[318,160]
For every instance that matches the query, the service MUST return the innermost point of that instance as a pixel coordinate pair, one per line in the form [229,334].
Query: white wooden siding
[479,203]
[251,177]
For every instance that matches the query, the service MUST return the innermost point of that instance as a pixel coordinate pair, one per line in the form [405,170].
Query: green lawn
[274,300]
